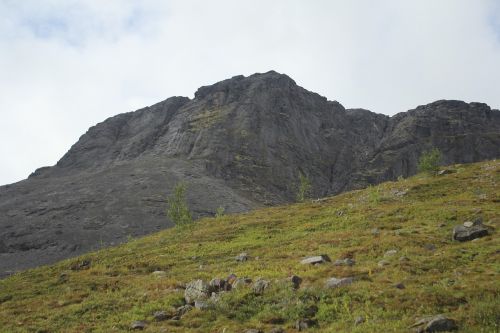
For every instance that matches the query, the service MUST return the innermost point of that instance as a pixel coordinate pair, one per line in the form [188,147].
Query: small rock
[295,280]
[390,253]
[404,259]
[303,324]
[344,262]
[437,323]
[277,330]
[241,282]
[316,260]
[468,224]
[160,315]
[242,257]
[217,285]
[375,231]
[196,290]
[441,324]
[383,263]
[336,283]
[399,285]
[253,330]
[182,310]
[359,320]
[138,325]
[84,264]
[259,286]
[463,234]
[159,274]
[446,172]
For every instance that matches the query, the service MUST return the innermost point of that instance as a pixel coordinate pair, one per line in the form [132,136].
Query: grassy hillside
[413,216]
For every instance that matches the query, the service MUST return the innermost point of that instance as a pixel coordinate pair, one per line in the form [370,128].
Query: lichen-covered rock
[196,290]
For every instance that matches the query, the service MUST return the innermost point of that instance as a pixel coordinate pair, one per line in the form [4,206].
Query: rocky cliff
[240,143]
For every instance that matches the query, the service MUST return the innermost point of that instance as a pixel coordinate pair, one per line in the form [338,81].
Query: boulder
[138,325]
[463,234]
[437,323]
[196,290]
[259,286]
[316,260]
[336,283]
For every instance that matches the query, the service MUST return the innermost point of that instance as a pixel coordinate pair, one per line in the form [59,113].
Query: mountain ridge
[239,144]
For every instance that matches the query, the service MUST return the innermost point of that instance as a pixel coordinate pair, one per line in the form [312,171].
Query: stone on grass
[295,281]
[259,286]
[463,234]
[277,330]
[159,274]
[383,263]
[359,320]
[182,310]
[303,324]
[390,253]
[445,172]
[437,323]
[160,315]
[336,283]
[399,285]
[315,260]
[242,257]
[196,290]
[138,325]
[217,285]
[344,262]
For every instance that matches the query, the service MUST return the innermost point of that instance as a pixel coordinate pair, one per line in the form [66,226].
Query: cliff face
[240,143]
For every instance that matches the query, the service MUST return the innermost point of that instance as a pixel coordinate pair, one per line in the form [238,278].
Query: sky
[66,65]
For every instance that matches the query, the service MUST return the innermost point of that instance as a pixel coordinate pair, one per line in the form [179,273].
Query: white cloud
[66,65]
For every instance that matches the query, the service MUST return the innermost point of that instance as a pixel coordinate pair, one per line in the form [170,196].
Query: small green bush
[304,190]
[178,210]
[429,161]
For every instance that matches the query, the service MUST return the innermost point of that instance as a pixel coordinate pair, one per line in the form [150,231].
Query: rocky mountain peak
[240,143]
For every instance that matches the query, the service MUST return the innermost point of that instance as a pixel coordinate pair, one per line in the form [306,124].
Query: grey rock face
[239,143]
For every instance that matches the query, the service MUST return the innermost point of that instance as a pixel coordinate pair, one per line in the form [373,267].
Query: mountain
[392,262]
[240,144]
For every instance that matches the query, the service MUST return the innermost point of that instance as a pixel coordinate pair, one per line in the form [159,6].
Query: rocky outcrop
[239,144]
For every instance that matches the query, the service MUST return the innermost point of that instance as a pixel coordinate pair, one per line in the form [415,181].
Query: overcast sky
[66,65]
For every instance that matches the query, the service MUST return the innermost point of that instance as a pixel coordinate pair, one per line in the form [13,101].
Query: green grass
[456,279]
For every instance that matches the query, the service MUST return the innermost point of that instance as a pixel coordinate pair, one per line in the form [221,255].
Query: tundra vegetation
[393,261]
